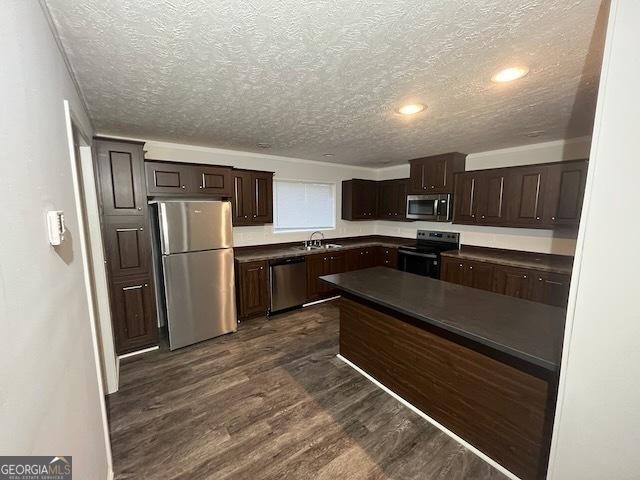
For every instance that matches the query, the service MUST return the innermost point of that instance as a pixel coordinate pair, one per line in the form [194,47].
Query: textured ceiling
[325,76]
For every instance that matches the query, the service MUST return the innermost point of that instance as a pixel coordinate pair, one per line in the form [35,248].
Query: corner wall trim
[441,427]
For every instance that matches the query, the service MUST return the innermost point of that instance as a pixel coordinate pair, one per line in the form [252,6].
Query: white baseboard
[321,301]
[139,352]
[444,429]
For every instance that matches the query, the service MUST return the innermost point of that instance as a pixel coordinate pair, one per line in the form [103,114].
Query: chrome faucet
[317,243]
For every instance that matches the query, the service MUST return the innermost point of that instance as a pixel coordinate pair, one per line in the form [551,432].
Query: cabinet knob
[325,258]
[540,279]
[459,264]
[146,284]
[424,188]
[537,218]
[246,216]
[200,186]
[473,215]
[139,208]
[254,216]
[524,276]
[470,268]
[482,216]
[141,229]
[183,187]
[553,218]
[261,268]
[433,186]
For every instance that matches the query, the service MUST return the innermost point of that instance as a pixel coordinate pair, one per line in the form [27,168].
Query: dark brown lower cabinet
[360,258]
[550,288]
[253,288]
[530,284]
[134,314]
[388,257]
[512,281]
[323,264]
[468,273]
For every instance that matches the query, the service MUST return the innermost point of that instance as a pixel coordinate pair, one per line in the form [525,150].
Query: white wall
[50,403]
[543,241]
[597,428]
[284,168]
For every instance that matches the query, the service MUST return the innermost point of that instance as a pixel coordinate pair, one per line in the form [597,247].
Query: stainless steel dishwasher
[288,282]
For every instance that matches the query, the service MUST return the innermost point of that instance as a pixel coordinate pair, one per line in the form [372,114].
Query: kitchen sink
[326,246]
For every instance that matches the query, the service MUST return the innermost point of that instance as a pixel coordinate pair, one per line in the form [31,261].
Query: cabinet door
[435,175]
[402,188]
[213,180]
[120,172]
[365,199]
[551,288]
[416,177]
[464,198]
[315,268]
[452,270]
[254,293]
[478,275]
[526,195]
[515,282]
[490,198]
[388,257]
[262,194]
[565,193]
[169,178]
[127,244]
[387,200]
[134,314]
[242,199]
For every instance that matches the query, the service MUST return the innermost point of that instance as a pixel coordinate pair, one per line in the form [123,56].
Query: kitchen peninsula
[482,365]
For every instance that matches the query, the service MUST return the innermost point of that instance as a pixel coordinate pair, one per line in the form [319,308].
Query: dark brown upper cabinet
[252,199]
[565,192]
[171,178]
[435,174]
[392,199]
[530,196]
[212,180]
[121,181]
[525,195]
[168,178]
[359,199]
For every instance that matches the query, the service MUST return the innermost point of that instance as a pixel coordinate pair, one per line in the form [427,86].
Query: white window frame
[310,229]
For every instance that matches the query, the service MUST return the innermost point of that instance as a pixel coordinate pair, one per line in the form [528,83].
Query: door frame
[75,135]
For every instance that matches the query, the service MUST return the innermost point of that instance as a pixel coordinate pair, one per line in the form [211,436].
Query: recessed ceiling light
[411,109]
[327,154]
[263,145]
[510,74]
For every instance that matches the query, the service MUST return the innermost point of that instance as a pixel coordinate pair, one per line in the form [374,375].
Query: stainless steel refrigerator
[197,266]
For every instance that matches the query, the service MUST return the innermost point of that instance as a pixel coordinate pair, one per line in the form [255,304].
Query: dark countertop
[519,328]
[287,250]
[514,258]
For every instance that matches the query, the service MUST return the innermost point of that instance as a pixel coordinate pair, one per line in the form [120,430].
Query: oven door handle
[414,254]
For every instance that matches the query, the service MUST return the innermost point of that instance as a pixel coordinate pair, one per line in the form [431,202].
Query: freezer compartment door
[194,225]
[200,294]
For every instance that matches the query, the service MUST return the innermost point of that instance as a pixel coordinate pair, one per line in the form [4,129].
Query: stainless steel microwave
[434,208]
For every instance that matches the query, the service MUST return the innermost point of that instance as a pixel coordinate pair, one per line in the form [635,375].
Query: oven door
[425,264]
[428,207]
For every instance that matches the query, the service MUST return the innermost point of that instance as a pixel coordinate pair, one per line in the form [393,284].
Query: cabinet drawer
[127,243]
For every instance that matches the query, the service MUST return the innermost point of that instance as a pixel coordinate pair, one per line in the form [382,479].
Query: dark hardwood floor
[272,402]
